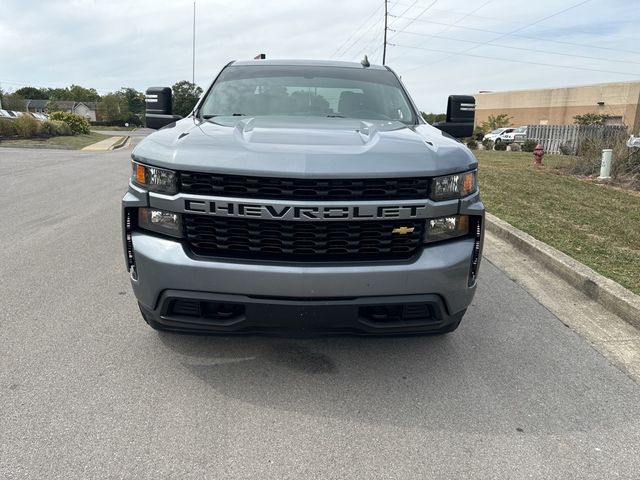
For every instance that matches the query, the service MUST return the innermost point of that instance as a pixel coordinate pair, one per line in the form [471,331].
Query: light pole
[384,48]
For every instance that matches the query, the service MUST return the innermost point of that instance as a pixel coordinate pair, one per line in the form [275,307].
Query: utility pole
[193,68]
[384,48]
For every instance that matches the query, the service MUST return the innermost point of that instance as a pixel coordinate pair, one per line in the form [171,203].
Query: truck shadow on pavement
[469,381]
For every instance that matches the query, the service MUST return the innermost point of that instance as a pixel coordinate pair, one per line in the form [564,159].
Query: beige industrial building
[558,106]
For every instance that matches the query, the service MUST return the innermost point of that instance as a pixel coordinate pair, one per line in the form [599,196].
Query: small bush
[565,149]
[78,124]
[472,144]
[589,158]
[7,128]
[56,128]
[26,126]
[529,145]
[487,144]
[479,133]
[515,147]
[500,146]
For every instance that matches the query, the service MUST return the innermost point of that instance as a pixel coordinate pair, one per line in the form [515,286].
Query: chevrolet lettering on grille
[306,212]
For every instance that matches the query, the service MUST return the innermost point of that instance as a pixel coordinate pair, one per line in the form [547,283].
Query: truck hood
[304,147]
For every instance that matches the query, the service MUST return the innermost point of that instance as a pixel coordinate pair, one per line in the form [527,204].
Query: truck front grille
[302,241]
[304,188]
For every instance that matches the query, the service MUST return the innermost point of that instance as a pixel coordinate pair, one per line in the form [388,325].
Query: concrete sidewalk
[107,144]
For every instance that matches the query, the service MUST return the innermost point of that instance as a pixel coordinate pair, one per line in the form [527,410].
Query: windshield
[520,130]
[258,90]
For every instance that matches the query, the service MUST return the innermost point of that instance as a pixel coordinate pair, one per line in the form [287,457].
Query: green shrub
[529,145]
[565,149]
[472,144]
[487,144]
[479,133]
[56,128]
[515,147]
[7,128]
[26,126]
[500,146]
[77,123]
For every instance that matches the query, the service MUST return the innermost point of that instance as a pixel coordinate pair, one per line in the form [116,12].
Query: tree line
[124,105]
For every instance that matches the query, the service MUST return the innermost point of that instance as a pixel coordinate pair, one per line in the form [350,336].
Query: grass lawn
[597,225]
[75,142]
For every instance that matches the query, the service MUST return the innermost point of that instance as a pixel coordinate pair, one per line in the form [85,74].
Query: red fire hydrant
[538,153]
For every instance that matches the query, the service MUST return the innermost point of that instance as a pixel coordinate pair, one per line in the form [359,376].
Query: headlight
[444,228]
[454,186]
[160,221]
[153,178]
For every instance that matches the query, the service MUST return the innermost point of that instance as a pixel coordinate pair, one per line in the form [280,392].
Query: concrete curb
[611,295]
[121,143]
[104,145]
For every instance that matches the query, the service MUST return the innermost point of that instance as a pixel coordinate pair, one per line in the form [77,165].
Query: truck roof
[307,63]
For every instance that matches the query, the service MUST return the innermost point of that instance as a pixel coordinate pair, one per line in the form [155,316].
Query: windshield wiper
[211,115]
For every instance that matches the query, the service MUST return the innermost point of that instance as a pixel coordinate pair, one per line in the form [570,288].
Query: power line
[528,37]
[363,49]
[579,4]
[511,47]
[414,19]
[375,24]
[356,31]
[453,25]
[386,27]
[510,60]
[520,22]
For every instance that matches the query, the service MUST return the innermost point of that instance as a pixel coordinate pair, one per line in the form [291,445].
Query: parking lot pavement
[89,391]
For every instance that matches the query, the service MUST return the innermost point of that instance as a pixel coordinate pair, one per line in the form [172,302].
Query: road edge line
[611,295]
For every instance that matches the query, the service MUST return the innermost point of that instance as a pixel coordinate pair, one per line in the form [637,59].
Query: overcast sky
[141,43]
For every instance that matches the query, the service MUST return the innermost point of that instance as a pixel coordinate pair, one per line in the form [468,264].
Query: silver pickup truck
[303,196]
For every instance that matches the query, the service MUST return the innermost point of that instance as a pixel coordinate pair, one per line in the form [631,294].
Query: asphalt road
[87,390]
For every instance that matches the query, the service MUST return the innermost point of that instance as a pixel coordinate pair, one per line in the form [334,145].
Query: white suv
[517,135]
[496,134]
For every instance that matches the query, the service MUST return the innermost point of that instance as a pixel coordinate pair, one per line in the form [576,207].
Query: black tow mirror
[461,111]
[158,110]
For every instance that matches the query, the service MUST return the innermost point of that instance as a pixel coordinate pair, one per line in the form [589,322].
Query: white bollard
[605,166]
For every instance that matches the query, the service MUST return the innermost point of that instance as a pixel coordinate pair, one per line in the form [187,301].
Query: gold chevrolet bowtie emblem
[403,230]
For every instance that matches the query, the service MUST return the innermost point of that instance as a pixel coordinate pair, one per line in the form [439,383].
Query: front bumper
[328,297]
[280,295]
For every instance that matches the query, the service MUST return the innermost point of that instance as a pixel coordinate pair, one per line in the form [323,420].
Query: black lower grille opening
[189,308]
[302,241]
[205,309]
[397,313]
[221,311]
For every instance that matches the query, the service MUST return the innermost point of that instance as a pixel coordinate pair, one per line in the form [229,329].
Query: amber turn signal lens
[140,177]
[463,223]
[467,184]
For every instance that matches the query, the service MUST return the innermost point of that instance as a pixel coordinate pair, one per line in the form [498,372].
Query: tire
[497,141]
